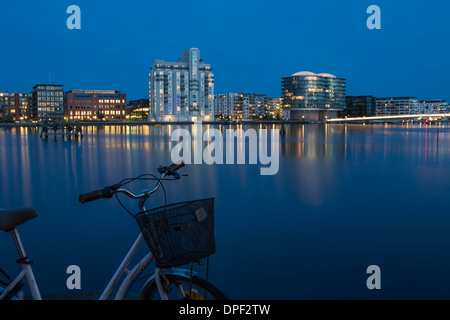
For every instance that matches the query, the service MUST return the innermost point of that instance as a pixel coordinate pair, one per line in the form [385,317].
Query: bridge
[424,117]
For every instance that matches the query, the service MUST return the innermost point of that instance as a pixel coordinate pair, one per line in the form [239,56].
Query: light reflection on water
[345,197]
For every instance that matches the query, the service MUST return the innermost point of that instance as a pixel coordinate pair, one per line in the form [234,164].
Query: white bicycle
[184,222]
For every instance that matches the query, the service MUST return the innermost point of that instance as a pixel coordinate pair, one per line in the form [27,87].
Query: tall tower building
[182,90]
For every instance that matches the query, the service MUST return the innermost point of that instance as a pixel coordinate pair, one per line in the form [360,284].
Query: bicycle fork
[159,285]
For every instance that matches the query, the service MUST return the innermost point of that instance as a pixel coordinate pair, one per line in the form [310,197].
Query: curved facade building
[312,97]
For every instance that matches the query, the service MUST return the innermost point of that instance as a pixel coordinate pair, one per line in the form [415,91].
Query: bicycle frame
[138,268]
[131,274]
[26,270]
[123,267]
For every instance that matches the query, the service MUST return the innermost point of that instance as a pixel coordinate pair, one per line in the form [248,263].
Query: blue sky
[250,44]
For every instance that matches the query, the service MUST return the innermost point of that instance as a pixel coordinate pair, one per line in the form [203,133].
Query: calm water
[345,197]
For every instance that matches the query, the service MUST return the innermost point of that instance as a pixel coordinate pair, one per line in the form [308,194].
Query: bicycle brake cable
[141,177]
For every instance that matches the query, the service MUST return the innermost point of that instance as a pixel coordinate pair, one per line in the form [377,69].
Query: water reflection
[313,142]
[106,150]
[420,144]
[315,206]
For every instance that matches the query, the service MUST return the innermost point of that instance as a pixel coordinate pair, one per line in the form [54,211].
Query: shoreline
[245,122]
[150,123]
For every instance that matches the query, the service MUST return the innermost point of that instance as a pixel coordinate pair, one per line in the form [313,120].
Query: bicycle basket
[179,233]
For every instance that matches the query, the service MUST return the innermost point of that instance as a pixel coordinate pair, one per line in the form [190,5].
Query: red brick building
[95,105]
[15,105]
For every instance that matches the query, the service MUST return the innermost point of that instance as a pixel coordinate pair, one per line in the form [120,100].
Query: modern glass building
[47,102]
[360,106]
[138,109]
[312,97]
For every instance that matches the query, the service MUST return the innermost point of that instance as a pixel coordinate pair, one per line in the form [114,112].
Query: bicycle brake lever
[161,169]
[110,190]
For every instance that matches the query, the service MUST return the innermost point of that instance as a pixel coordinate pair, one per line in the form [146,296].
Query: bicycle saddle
[9,219]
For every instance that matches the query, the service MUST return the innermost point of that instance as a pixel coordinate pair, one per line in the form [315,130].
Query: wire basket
[180,233]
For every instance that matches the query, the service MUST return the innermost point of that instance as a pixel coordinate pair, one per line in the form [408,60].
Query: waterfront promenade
[366,120]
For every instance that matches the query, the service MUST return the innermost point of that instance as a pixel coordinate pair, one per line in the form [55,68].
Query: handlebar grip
[91,196]
[175,167]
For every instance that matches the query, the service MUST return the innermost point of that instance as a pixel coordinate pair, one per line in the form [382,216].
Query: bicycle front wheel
[181,288]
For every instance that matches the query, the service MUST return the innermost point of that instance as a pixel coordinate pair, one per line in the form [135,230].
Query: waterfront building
[359,106]
[15,105]
[312,97]
[182,90]
[244,106]
[393,106]
[221,106]
[229,106]
[95,104]
[432,106]
[272,108]
[47,102]
[138,109]
[225,105]
[253,105]
[241,103]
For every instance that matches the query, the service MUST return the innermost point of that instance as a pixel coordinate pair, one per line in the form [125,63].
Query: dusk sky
[250,45]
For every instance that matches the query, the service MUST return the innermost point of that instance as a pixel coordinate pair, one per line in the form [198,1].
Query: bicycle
[166,281]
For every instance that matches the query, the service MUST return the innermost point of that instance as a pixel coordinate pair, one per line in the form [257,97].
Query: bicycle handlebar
[109,191]
[175,167]
[91,196]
